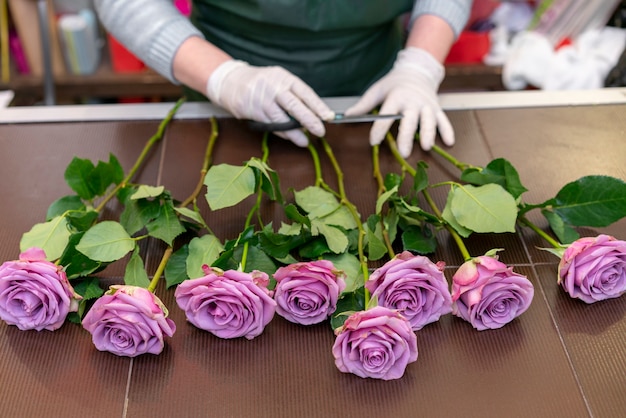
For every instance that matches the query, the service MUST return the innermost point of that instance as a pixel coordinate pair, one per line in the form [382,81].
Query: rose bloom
[228,304]
[489,294]
[129,321]
[413,285]
[594,269]
[377,343]
[35,293]
[306,293]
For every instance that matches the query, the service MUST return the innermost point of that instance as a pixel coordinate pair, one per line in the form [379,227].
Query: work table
[562,358]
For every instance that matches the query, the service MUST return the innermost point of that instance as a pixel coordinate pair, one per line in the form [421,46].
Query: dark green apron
[338,47]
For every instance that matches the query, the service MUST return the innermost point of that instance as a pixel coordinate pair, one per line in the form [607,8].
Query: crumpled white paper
[584,64]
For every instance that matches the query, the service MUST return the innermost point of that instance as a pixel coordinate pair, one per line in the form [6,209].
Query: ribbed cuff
[455,12]
[162,51]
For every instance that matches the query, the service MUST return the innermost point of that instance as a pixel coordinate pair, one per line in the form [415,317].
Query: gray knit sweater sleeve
[153,30]
[455,12]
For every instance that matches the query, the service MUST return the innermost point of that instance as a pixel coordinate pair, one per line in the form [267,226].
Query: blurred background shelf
[104,84]
[472,77]
[147,85]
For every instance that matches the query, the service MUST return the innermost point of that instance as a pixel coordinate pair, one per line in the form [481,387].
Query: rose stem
[376,169]
[353,211]
[159,271]
[192,198]
[205,165]
[257,204]
[319,180]
[381,189]
[524,221]
[153,140]
[457,238]
[461,166]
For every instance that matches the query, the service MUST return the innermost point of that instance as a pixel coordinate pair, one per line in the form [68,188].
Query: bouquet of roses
[312,268]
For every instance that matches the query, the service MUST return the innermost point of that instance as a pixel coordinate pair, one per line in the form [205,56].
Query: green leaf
[314,249]
[487,208]
[256,260]
[106,241]
[100,178]
[260,165]
[290,229]
[64,204]
[350,265]
[144,192]
[448,216]
[383,198]
[135,273]
[498,171]
[316,201]
[555,251]
[82,220]
[202,250]
[131,217]
[375,243]
[193,215]
[335,238]
[77,264]
[594,201]
[420,240]
[564,233]
[166,226]
[51,236]
[416,211]
[89,181]
[227,185]
[278,245]
[77,175]
[115,169]
[347,304]
[392,180]
[391,220]
[176,267]
[420,180]
[294,214]
[270,182]
[89,288]
[341,217]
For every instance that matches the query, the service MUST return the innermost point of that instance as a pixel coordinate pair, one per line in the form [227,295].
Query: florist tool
[339,118]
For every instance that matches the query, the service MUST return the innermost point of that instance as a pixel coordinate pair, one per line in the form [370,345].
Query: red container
[122,60]
[470,47]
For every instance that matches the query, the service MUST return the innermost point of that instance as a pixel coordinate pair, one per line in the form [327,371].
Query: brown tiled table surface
[562,358]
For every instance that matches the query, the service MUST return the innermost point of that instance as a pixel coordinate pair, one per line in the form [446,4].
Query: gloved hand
[410,88]
[268,94]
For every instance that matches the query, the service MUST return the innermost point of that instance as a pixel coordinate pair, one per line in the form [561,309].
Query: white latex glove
[268,94]
[410,88]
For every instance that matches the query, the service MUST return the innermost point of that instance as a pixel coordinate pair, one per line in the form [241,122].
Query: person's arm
[166,41]
[153,30]
[410,88]
[195,60]
[432,34]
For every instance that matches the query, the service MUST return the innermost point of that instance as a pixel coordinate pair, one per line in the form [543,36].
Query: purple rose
[35,293]
[377,343]
[129,321]
[228,304]
[306,293]
[488,294]
[594,269]
[413,285]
